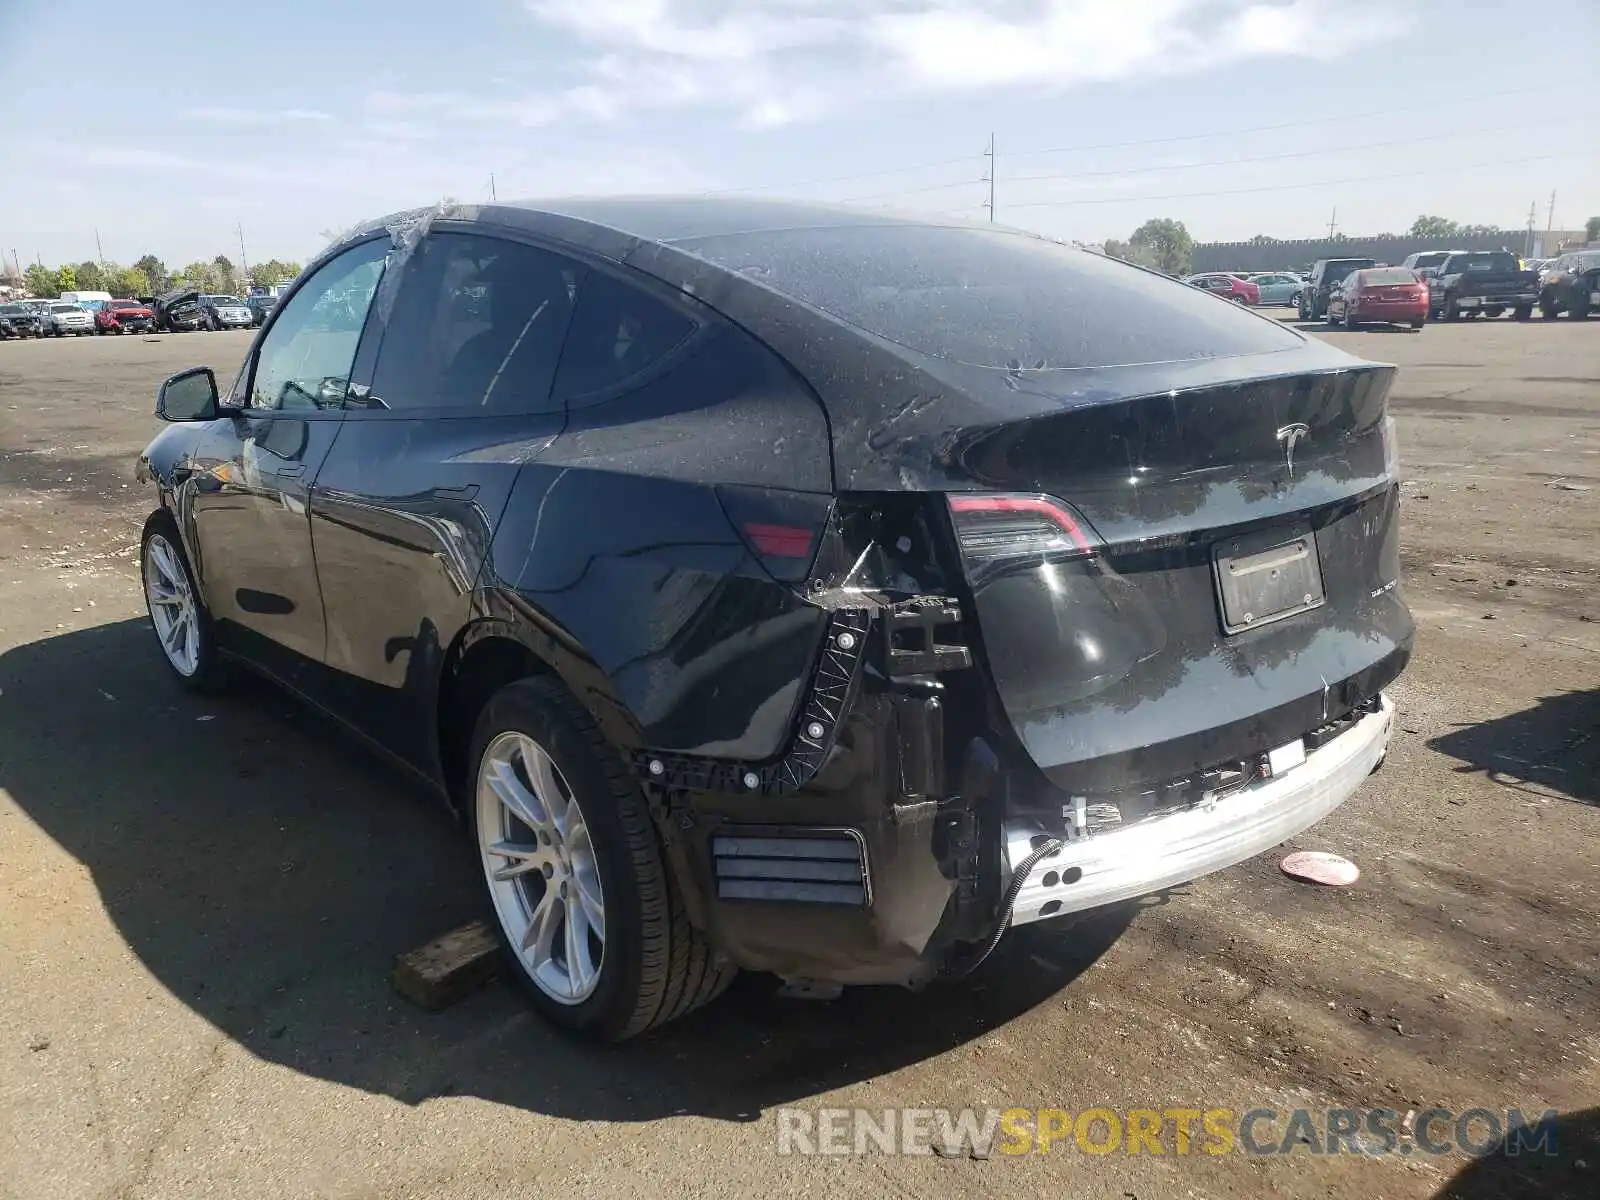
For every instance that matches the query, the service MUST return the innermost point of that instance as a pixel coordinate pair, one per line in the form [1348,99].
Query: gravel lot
[200,902]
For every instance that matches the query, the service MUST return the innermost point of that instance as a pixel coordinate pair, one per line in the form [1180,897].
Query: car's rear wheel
[1416,324]
[1522,312]
[589,917]
[1548,308]
[1493,311]
[1578,306]
[179,617]
[1351,321]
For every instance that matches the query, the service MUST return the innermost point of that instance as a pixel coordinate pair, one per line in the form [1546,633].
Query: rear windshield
[1486,260]
[993,299]
[1338,268]
[126,304]
[1388,275]
[1432,258]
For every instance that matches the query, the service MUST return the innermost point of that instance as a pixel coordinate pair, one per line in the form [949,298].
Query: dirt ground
[200,902]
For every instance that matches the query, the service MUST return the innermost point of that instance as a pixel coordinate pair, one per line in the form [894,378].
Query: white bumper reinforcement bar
[1174,848]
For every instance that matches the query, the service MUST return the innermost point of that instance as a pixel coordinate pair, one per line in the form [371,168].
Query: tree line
[150,277]
[1164,244]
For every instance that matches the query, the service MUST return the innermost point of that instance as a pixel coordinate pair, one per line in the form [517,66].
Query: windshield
[14,310]
[1431,259]
[1388,275]
[1589,261]
[993,299]
[223,300]
[65,308]
[126,304]
[1485,260]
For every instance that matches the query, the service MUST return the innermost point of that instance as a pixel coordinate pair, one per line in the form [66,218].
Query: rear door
[251,520]
[406,504]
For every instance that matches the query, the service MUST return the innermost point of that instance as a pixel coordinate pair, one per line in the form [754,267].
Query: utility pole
[244,260]
[1333,220]
[989,174]
[1550,213]
[492,196]
[1527,247]
[99,254]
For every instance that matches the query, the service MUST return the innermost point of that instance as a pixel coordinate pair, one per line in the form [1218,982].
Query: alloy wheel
[541,867]
[173,610]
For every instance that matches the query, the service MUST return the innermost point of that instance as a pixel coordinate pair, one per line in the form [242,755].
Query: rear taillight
[994,529]
[783,529]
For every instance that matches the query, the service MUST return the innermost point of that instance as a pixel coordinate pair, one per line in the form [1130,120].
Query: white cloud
[772,62]
[222,115]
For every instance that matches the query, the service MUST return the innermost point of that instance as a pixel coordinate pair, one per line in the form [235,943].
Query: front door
[251,512]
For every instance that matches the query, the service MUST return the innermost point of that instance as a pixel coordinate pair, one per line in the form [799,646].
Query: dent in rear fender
[173,465]
[658,616]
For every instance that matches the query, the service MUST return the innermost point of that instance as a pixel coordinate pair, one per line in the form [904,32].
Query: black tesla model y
[780,587]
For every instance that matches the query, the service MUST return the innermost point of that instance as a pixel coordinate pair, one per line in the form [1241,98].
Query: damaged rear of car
[1112,574]
[179,311]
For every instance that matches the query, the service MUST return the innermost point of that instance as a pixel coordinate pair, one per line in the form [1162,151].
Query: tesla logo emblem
[1291,436]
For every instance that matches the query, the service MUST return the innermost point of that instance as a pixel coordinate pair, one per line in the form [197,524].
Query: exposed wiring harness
[1008,902]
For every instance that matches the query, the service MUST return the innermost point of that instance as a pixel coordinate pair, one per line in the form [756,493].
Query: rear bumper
[1173,849]
[1392,312]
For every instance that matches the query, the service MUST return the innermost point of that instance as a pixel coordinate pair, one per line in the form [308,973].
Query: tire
[208,674]
[654,965]
[1522,312]
[1493,311]
[1578,306]
[1417,324]
[1547,307]
[1351,321]
[1451,312]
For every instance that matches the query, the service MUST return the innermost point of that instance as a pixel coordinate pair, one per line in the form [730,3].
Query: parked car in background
[1390,295]
[1325,272]
[179,311]
[1227,286]
[226,312]
[20,320]
[1278,288]
[68,319]
[1482,281]
[125,316]
[1571,285]
[861,706]
[261,305]
[1425,260]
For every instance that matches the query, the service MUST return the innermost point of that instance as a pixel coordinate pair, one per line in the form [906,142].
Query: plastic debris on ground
[1318,866]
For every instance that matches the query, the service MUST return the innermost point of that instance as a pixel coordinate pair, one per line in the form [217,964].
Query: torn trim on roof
[406,233]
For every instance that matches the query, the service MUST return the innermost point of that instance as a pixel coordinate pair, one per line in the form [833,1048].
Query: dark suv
[781,587]
[1325,273]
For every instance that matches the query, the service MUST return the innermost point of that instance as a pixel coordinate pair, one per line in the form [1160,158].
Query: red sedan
[124,316]
[1227,287]
[1393,295]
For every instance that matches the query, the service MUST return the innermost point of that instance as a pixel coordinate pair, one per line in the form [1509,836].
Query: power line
[1216,162]
[1185,137]
[1284,187]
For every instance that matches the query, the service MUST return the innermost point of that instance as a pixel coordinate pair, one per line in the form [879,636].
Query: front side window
[477,326]
[617,333]
[304,362]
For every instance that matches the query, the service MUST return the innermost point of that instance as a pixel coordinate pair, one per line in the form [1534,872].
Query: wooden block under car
[450,967]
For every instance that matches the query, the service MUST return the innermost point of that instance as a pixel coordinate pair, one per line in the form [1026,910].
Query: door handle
[292,469]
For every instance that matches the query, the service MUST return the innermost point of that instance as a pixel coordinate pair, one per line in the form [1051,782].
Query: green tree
[1479,230]
[66,279]
[1433,227]
[225,274]
[1167,242]
[1591,229]
[199,275]
[265,274]
[155,271]
[41,280]
[1262,239]
[90,277]
[129,282]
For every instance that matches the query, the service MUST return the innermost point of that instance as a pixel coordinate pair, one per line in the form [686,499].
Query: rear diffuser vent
[796,866]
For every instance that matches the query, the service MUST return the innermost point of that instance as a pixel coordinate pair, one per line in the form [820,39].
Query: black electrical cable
[1019,880]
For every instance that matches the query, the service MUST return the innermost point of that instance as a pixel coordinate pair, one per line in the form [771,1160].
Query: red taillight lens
[995,527]
[779,541]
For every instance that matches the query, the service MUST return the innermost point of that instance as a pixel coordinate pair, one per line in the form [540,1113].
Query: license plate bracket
[1267,576]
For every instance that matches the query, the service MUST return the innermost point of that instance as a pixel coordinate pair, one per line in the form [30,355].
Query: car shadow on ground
[1554,744]
[267,872]
[1564,1170]
[1324,327]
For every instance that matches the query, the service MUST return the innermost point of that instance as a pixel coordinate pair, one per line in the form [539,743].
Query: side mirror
[188,396]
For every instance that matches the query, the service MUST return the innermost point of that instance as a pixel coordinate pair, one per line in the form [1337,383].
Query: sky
[172,132]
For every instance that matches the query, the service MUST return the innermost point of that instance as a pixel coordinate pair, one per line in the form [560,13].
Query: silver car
[67,318]
[1278,288]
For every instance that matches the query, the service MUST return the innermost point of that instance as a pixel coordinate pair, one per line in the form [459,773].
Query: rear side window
[476,326]
[618,332]
[1382,275]
[994,299]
